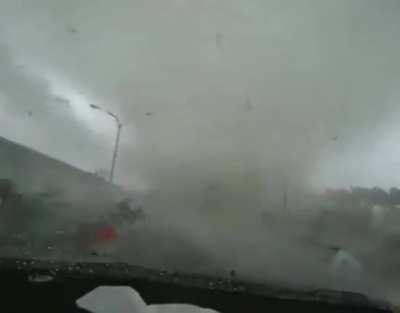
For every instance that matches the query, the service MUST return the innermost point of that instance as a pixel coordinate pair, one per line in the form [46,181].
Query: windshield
[252,140]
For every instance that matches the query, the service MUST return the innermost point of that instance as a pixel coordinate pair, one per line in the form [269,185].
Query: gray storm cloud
[310,71]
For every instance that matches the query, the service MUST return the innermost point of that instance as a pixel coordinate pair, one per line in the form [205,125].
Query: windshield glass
[252,140]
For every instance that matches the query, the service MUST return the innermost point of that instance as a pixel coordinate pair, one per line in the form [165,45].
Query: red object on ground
[90,234]
[106,233]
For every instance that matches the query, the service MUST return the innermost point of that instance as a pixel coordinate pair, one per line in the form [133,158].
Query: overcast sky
[310,85]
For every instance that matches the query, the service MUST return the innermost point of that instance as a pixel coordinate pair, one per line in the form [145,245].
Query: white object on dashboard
[107,299]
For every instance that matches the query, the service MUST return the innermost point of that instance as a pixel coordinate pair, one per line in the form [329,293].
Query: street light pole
[116,146]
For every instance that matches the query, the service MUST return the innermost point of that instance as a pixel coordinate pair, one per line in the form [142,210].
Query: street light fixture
[116,146]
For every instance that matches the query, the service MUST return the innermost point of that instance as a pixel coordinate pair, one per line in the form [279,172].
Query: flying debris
[248,104]
[219,40]
[71,30]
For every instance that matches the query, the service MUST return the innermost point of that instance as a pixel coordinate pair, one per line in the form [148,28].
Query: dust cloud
[237,116]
